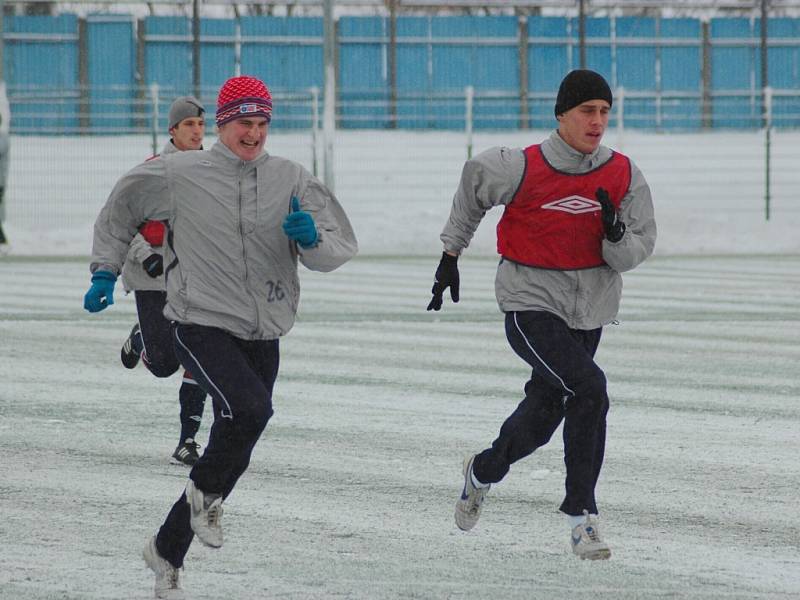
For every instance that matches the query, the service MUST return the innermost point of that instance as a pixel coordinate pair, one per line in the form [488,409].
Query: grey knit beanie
[184,108]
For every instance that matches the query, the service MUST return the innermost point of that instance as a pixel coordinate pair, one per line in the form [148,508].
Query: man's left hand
[300,227]
[613,226]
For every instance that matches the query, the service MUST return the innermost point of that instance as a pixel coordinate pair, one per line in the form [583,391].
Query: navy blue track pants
[566,384]
[239,376]
[159,353]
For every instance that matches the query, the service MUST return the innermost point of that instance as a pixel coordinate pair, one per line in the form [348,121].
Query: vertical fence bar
[524,110]
[582,32]
[237,47]
[469,94]
[314,129]
[767,148]
[706,106]
[329,110]
[620,102]
[196,48]
[84,120]
[393,64]
[764,55]
[154,118]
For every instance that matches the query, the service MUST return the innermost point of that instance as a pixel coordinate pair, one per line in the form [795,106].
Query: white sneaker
[205,512]
[468,507]
[168,585]
[586,541]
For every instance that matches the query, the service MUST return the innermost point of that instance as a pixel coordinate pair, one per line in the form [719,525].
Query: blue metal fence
[65,74]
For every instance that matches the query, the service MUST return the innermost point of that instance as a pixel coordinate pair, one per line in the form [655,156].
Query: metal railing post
[469,93]
[620,102]
[314,130]
[767,148]
[154,119]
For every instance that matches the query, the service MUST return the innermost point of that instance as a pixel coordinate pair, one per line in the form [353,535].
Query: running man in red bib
[577,214]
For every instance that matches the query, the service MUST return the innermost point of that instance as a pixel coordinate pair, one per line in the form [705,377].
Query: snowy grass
[708,189]
[351,490]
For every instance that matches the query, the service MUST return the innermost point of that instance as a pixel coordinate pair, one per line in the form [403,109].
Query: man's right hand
[101,293]
[446,277]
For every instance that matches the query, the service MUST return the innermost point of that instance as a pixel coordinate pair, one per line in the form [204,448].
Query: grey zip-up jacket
[585,298]
[228,263]
[134,276]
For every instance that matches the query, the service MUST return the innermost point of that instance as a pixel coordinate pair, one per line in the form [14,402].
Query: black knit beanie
[579,86]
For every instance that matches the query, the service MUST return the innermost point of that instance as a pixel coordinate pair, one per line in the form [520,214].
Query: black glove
[153,265]
[612,224]
[446,276]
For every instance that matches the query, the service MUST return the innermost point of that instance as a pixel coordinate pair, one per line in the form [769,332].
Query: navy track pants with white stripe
[566,384]
[239,376]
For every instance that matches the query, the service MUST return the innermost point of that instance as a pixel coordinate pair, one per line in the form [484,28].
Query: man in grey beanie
[187,123]
[576,215]
[150,339]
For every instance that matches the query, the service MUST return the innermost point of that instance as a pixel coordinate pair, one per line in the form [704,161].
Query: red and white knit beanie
[243,97]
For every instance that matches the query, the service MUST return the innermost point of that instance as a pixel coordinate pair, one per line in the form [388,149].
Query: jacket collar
[564,157]
[169,148]
[226,152]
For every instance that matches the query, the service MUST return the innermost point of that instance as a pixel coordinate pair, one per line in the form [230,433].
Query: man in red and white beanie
[238,222]
[244,112]
[243,96]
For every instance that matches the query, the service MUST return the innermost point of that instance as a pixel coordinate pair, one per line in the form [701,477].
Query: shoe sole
[199,527]
[596,555]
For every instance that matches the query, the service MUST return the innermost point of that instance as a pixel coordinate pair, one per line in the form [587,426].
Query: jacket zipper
[242,167]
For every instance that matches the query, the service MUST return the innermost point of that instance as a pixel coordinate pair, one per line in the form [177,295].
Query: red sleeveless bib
[554,221]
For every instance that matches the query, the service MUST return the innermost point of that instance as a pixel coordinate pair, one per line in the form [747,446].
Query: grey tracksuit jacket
[228,263]
[585,298]
[134,276]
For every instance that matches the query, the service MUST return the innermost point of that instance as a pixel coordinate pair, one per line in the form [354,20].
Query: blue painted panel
[730,27]
[485,67]
[111,73]
[168,61]
[547,65]
[681,114]
[363,73]
[635,27]
[681,27]
[598,51]
[681,71]
[414,73]
[548,27]
[43,73]
[363,63]
[640,113]
[217,59]
[681,68]
[431,71]
[731,70]
[784,71]
[636,65]
[292,61]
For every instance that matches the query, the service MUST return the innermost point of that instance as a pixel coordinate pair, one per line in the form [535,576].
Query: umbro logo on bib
[575,205]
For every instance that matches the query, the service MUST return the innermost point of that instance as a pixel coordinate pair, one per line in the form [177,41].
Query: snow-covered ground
[708,189]
[351,490]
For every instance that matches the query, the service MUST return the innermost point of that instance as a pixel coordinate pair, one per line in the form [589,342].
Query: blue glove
[299,226]
[101,294]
